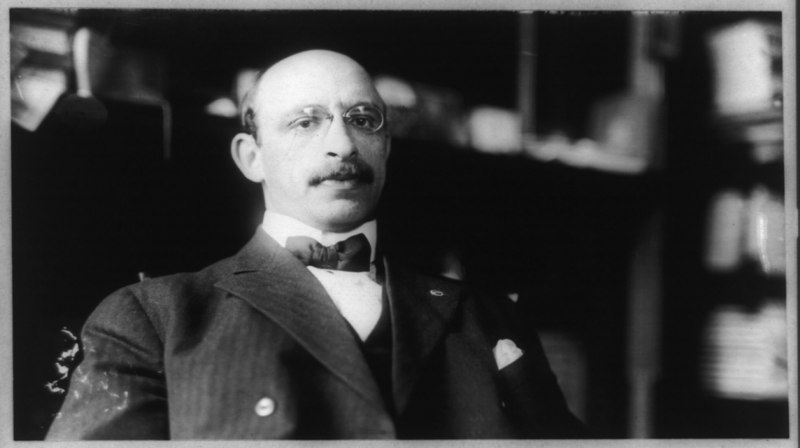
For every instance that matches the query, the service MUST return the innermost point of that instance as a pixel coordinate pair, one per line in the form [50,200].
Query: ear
[247,156]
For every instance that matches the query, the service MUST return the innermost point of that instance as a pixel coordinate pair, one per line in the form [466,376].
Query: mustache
[356,170]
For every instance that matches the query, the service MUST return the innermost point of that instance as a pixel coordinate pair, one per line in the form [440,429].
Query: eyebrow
[300,109]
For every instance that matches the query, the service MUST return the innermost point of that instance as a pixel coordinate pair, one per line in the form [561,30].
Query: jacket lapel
[421,308]
[274,282]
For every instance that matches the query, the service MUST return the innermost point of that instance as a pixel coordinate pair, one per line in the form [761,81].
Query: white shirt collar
[280,227]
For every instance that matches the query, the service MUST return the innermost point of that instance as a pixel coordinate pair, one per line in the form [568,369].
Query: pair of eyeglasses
[363,118]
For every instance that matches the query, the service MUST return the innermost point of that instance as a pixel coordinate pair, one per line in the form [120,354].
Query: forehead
[333,85]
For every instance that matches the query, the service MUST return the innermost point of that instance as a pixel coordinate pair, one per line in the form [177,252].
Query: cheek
[288,177]
[285,167]
[376,151]
[379,163]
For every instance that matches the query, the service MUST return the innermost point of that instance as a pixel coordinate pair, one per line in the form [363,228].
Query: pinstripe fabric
[192,356]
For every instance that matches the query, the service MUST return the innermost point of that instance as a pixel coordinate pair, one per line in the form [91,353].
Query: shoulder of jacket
[167,297]
[182,282]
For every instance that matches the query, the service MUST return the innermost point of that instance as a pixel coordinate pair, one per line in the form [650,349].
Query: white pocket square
[506,352]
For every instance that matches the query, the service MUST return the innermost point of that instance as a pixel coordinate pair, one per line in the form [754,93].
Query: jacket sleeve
[118,391]
[536,404]
[531,394]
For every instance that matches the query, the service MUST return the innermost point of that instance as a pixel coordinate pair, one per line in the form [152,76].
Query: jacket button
[265,407]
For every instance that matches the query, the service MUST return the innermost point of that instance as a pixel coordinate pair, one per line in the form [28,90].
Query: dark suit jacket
[191,356]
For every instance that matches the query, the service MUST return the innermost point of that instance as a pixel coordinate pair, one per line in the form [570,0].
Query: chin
[342,219]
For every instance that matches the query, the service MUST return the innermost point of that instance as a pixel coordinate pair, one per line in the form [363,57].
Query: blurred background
[618,175]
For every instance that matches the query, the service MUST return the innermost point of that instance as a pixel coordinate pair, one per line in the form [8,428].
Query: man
[354,345]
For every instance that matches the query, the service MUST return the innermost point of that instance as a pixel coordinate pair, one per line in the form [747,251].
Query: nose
[338,141]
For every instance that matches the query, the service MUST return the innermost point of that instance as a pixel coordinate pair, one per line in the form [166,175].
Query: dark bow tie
[352,254]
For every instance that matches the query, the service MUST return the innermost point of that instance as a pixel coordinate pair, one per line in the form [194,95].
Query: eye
[366,118]
[306,122]
[363,122]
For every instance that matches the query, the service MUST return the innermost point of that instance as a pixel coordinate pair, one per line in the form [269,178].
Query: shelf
[761,127]
[760,116]
[587,154]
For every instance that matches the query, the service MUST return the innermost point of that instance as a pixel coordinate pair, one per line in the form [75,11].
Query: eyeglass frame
[250,127]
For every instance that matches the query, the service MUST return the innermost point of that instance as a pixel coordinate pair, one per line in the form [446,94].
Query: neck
[280,227]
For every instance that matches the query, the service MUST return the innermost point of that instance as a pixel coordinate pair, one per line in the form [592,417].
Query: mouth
[347,176]
[345,184]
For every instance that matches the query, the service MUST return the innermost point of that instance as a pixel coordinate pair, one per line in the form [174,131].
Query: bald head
[297,72]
